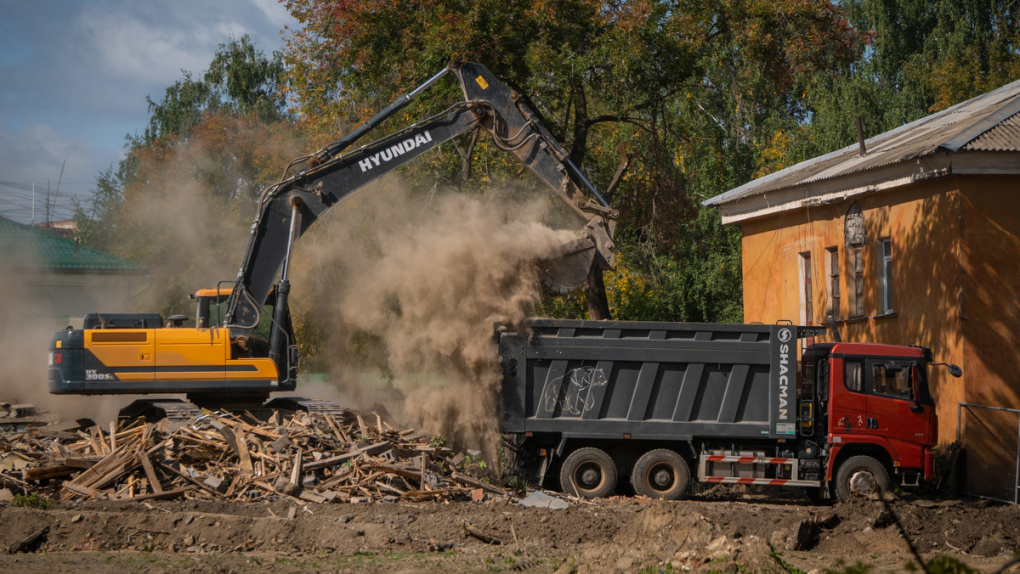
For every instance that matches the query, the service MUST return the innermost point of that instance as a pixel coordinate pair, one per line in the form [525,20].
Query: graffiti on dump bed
[577,398]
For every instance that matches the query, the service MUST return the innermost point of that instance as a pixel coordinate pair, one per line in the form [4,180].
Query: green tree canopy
[924,56]
[240,81]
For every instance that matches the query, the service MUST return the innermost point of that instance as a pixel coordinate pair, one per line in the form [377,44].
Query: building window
[857,261]
[832,262]
[807,309]
[885,277]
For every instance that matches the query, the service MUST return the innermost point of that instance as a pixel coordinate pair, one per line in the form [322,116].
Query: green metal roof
[24,246]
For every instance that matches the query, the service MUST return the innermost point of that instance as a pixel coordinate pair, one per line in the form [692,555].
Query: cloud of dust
[189,238]
[424,280]
[29,315]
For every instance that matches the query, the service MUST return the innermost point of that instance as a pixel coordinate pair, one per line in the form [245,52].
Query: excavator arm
[290,207]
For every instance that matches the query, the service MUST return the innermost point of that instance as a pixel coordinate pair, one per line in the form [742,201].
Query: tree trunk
[594,285]
[595,293]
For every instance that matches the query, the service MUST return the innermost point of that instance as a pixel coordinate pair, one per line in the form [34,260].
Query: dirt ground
[722,530]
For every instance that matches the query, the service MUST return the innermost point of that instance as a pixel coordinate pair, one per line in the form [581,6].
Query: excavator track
[178,410]
[154,410]
[318,406]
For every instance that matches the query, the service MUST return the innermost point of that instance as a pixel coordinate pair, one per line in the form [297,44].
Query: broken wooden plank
[486,538]
[73,489]
[30,542]
[372,449]
[465,479]
[50,471]
[150,473]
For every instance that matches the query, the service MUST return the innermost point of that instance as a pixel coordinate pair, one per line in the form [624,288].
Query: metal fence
[989,465]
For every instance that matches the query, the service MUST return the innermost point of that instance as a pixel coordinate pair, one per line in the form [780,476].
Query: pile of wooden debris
[314,457]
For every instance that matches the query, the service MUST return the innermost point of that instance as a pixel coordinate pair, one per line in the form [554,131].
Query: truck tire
[588,473]
[860,476]
[661,474]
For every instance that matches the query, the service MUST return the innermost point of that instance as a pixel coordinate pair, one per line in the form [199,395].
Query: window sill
[854,320]
[864,318]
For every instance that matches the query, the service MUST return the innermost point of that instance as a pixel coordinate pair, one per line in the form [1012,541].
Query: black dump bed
[645,380]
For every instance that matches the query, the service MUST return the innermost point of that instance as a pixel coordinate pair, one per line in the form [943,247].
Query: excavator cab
[212,305]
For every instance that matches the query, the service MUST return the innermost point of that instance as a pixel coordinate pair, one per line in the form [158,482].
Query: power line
[21,201]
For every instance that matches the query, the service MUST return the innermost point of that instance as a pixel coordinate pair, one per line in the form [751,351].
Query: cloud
[275,12]
[76,74]
[141,52]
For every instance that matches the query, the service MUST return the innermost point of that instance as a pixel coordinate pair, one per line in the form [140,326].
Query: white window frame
[832,277]
[806,288]
[885,276]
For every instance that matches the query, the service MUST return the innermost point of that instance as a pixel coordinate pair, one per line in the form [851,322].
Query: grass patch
[32,501]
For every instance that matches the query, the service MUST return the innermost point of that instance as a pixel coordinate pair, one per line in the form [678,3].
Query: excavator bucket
[568,270]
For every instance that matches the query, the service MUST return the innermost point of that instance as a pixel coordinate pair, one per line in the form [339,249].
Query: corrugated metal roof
[1003,137]
[988,122]
[23,246]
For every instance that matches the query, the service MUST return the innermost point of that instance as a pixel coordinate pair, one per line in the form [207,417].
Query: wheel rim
[661,477]
[863,483]
[589,476]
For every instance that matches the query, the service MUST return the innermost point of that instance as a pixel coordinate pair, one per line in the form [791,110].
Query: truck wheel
[860,476]
[588,473]
[662,474]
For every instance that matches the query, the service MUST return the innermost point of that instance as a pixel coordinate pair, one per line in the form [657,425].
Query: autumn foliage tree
[691,90]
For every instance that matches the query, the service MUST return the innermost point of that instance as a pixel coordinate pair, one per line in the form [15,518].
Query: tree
[925,56]
[95,219]
[240,81]
[692,88]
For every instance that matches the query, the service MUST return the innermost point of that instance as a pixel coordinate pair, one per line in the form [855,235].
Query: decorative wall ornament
[854,233]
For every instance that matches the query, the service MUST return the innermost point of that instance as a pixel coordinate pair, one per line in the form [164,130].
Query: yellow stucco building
[913,239]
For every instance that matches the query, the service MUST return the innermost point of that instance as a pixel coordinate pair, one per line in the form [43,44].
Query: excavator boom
[331,175]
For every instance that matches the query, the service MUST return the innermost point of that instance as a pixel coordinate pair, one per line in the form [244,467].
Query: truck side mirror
[954,370]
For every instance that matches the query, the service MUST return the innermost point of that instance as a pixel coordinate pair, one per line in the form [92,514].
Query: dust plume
[417,285]
[190,233]
[185,217]
[34,306]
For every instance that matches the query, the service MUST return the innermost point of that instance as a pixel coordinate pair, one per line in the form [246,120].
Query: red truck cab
[877,414]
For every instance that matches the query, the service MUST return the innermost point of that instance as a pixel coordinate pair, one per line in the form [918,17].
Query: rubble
[20,417]
[308,457]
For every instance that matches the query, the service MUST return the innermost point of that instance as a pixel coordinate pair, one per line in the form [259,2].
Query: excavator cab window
[257,344]
[259,340]
[212,304]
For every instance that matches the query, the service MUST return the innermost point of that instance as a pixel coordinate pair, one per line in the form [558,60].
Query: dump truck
[673,404]
[240,347]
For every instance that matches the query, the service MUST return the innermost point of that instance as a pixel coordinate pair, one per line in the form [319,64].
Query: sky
[74,76]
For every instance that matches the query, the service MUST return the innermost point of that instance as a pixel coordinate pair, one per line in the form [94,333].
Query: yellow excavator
[241,346]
